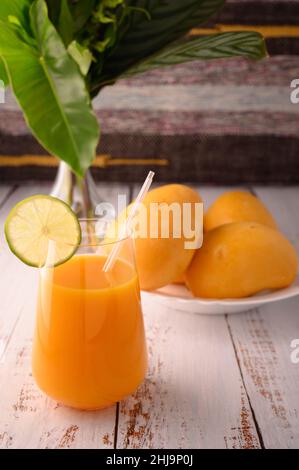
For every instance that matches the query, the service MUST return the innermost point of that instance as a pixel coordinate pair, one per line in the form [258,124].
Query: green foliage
[141,37]
[49,89]
[17,8]
[65,25]
[221,45]
[81,12]
[81,55]
[60,57]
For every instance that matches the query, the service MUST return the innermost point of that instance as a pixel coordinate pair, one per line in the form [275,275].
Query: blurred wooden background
[220,122]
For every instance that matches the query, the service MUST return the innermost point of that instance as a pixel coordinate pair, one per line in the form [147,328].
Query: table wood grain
[225,381]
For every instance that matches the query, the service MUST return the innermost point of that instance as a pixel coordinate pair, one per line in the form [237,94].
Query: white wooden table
[214,382]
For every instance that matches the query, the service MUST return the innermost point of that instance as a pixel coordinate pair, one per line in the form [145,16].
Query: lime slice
[43,230]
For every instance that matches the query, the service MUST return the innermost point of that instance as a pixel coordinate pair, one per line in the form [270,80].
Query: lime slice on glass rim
[34,222]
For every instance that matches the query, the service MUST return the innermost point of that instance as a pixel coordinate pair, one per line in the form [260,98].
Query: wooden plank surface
[224,382]
[193,396]
[262,339]
[29,419]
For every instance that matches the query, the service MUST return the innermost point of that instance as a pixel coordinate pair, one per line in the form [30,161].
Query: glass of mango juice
[89,348]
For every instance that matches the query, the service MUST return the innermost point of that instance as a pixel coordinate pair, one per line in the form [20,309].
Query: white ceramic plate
[178,297]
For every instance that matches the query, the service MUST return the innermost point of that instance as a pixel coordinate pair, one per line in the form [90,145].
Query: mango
[241,259]
[237,206]
[161,261]
[179,280]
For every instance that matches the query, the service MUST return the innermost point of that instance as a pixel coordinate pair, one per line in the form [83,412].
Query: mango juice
[89,348]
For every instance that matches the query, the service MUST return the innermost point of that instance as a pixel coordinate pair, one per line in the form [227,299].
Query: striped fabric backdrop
[226,121]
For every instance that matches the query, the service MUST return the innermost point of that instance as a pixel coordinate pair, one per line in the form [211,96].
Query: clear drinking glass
[89,348]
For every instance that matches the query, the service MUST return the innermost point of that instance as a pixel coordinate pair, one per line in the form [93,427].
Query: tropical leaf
[223,45]
[54,10]
[81,55]
[50,90]
[78,11]
[140,37]
[81,11]
[66,26]
[18,9]
[46,57]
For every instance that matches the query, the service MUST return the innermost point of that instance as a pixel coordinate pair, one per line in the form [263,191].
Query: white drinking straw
[143,191]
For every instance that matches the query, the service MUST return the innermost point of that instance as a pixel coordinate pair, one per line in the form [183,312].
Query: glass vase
[81,194]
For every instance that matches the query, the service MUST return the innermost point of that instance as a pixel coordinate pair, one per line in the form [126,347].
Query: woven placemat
[225,121]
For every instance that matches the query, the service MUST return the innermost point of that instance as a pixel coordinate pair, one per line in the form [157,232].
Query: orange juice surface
[89,348]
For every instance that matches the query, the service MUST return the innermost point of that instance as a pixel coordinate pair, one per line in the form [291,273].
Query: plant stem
[86,210]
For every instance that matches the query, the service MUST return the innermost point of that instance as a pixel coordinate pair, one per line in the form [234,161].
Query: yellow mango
[161,261]
[237,206]
[179,280]
[240,259]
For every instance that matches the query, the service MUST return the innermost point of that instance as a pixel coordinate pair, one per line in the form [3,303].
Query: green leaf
[81,11]
[50,90]
[66,26]
[54,11]
[17,8]
[9,9]
[223,45]
[3,74]
[81,55]
[100,33]
[141,37]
